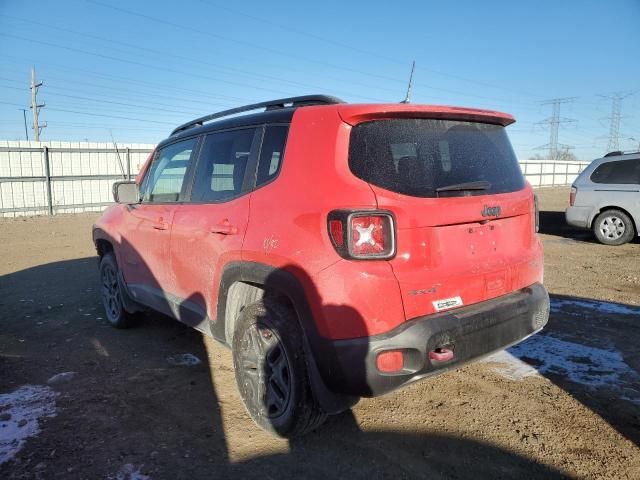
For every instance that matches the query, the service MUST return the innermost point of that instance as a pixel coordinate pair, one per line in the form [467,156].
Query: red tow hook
[441,355]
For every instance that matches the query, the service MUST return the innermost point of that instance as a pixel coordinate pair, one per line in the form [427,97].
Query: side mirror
[126,192]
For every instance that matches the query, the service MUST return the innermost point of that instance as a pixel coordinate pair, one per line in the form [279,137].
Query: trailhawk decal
[447,303]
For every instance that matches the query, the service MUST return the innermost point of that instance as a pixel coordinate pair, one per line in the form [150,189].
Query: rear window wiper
[479,185]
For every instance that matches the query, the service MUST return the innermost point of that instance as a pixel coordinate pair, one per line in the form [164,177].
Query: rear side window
[621,172]
[417,156]
[272,152]
[164,182]
[222,165]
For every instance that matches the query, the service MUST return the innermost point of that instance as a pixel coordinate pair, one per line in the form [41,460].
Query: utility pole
[24,116]
[407,98]
[554,122]
[35,108]
[616,116]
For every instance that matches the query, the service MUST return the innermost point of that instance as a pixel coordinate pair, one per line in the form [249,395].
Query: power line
[356,49]
[100,100]
[164,55]
[554,122]
[233,69]
[191,29]
[170,89]
[133,62]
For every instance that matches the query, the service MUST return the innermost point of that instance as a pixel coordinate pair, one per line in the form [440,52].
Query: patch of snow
[21,411]
[130,472]
[61,378]
[558,305]
[184,359]
[590,366]
[511,366]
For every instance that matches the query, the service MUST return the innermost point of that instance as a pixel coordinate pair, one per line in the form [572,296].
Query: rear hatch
[463,211]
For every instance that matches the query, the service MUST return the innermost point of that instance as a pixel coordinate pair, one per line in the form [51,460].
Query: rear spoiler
[354,114]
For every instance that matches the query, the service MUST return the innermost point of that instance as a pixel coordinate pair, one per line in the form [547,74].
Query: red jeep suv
[340,250]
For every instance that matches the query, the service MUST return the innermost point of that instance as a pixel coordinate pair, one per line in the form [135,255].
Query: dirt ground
[565,403]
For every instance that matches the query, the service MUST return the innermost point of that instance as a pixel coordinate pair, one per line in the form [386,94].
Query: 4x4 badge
[488,211]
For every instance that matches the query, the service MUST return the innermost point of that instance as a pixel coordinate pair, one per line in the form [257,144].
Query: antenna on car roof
[407,98]
[115,145]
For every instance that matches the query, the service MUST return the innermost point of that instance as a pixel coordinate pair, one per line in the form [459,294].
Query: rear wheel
[613,227]
[271,371]
[111,294]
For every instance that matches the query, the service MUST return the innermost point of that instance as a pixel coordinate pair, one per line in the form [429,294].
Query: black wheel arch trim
[284,283]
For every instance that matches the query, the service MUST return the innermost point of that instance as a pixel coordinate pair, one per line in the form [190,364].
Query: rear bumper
[578,216]
[349,366]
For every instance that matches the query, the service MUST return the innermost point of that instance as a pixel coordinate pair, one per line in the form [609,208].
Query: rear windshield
[418,156]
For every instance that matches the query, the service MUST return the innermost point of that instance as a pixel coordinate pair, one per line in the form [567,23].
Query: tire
[271,370]
[111,294]
[613,227]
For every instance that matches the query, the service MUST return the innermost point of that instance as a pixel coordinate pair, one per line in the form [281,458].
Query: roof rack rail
[269,105]
[621,152]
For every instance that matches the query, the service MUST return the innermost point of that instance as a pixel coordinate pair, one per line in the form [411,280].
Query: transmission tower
[35,107]
[616,116]
[554,122]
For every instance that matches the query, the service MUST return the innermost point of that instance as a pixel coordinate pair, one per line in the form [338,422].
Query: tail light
[572,195]
[362,234]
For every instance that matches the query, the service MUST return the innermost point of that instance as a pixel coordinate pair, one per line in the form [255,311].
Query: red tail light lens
[370,236]
[572,196]
[362,234]
[336,231]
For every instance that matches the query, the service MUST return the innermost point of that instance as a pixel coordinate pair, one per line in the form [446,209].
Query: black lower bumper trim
[349,366]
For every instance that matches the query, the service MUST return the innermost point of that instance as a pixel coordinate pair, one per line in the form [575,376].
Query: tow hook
[441,355]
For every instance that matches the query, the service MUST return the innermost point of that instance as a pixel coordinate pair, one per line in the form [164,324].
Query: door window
[275,138]
[620,172]
[165,181]
[222,166]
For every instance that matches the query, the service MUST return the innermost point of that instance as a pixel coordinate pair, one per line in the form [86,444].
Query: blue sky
[139,67]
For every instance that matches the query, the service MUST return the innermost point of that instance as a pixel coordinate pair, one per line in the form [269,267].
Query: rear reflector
[391,361]
[572,196]
[337,232]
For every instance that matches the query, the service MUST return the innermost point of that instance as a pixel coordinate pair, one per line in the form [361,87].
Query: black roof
[275,111]
[270,116]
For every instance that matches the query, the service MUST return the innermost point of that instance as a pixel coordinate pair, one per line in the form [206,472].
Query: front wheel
[271,370]
[613,227]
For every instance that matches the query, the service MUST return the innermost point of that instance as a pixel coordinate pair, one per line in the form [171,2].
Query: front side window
[222,166]
[620,172]
[165,180]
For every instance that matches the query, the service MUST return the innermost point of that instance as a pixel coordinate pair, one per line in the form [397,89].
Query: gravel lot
[79,399]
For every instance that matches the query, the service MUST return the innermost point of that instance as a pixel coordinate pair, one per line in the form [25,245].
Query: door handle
[224,228]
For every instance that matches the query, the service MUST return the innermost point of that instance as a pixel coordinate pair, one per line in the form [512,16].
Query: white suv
[606,198]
